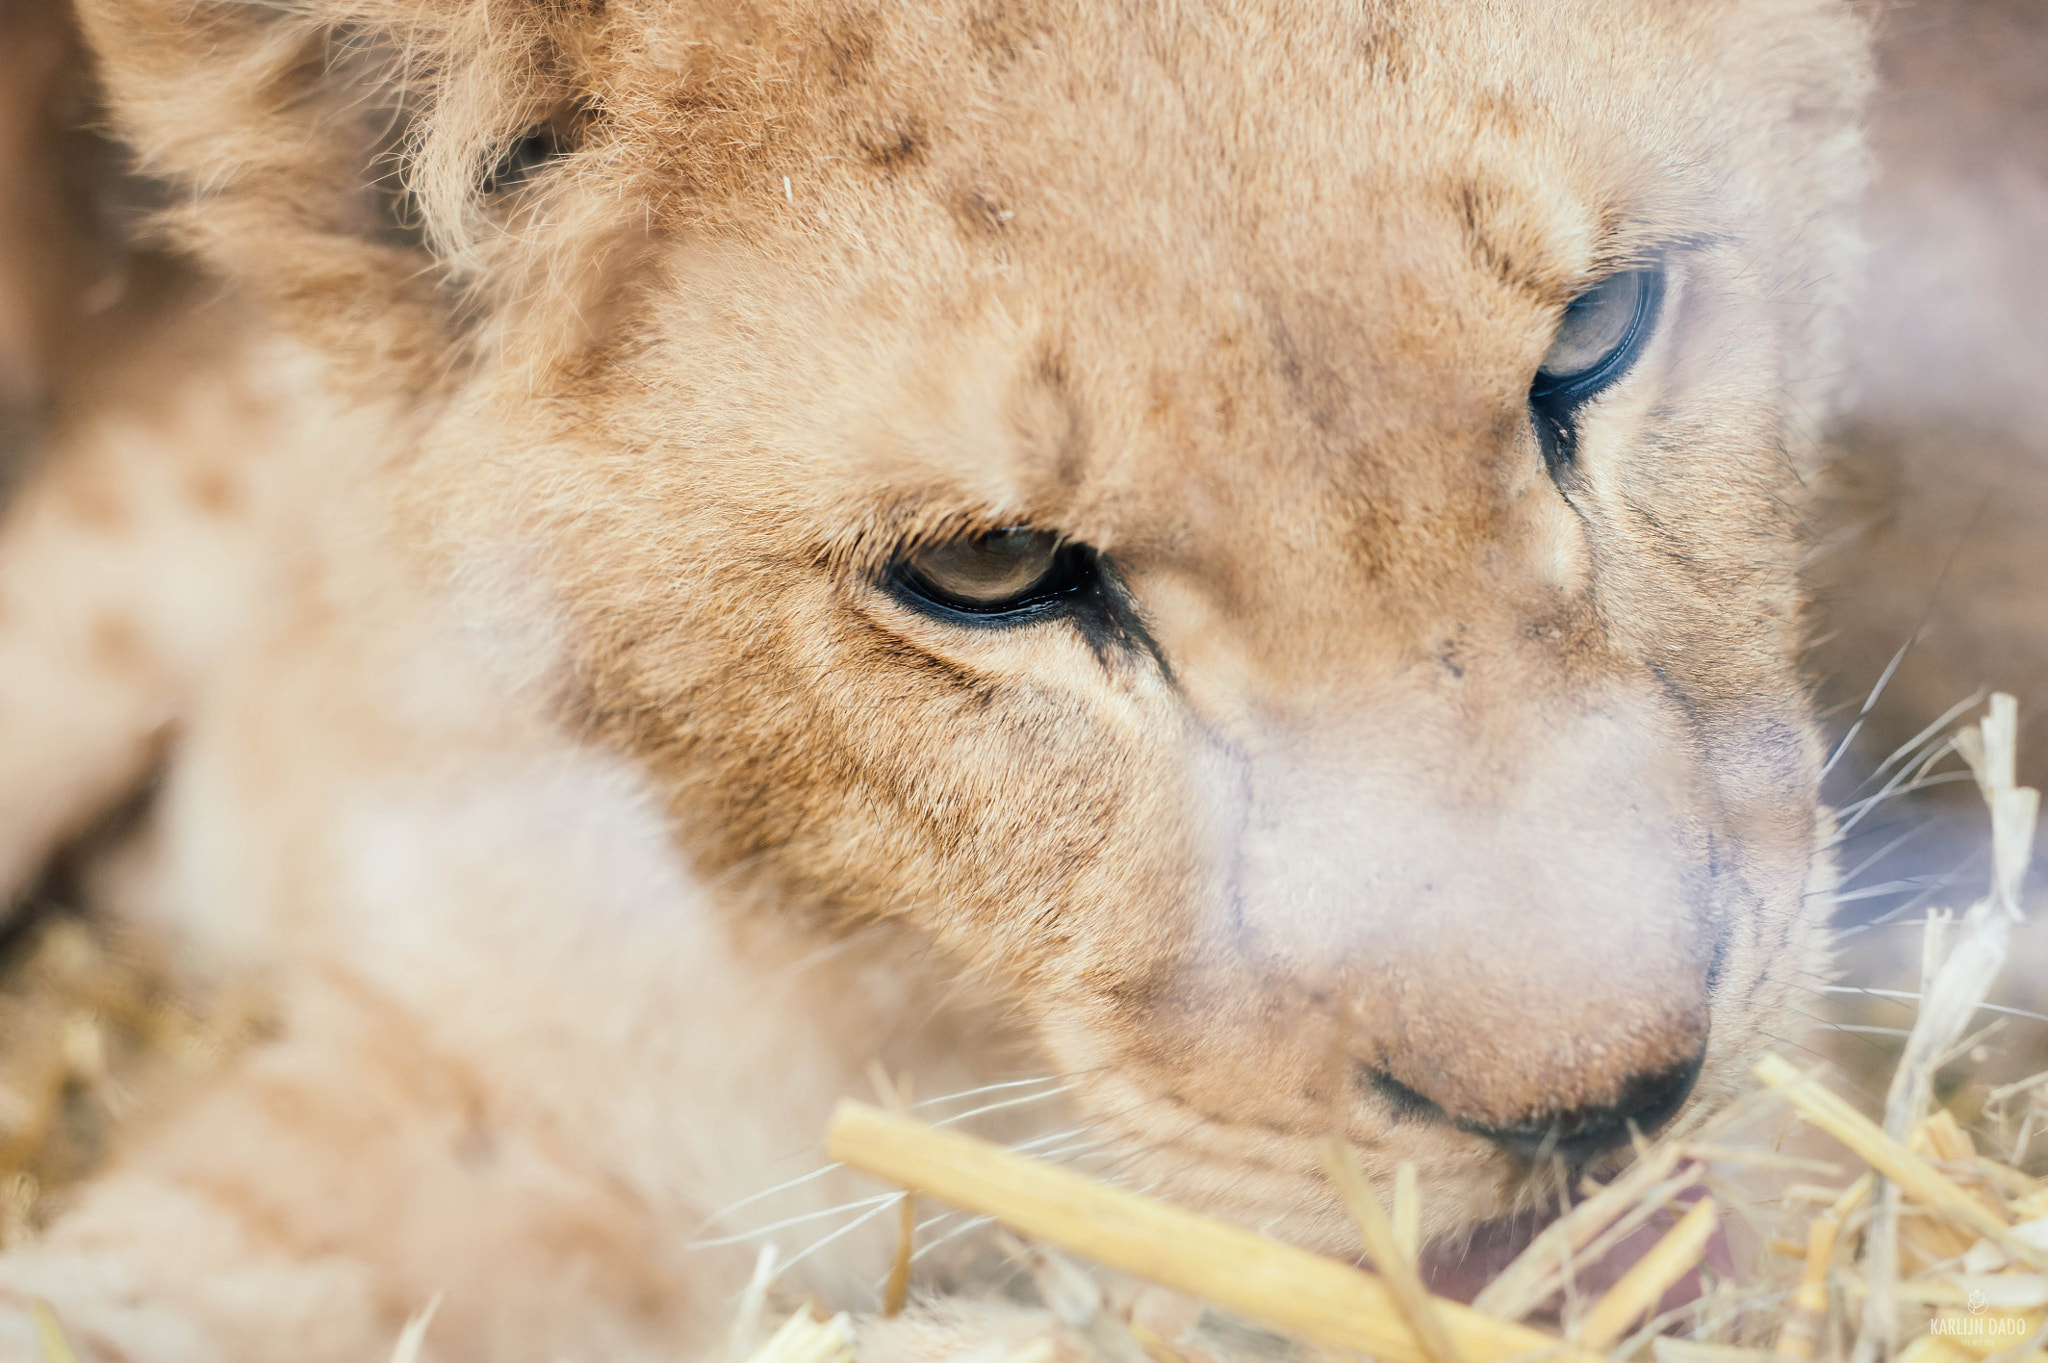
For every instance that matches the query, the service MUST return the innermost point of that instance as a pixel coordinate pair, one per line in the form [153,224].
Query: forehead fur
[1546,141]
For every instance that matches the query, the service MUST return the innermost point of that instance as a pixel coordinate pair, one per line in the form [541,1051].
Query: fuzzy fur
[506,583]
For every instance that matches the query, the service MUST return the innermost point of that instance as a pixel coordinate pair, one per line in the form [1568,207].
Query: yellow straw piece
[1407,1211]
[803,1339]
[1812,1296]
[1644,1285]
[50,1334]
[1853,1196]
[896,1293]
[1395,1268]
[1320,1299]
[1931,1349]
[1947,1138]
[1810,1302]
[1530,1280]
[1915,1176]
[1155,1344]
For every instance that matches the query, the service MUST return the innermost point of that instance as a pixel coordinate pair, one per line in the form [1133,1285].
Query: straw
[1645,1284]
[1891,1159]
[1381,1245]
[1303,1293]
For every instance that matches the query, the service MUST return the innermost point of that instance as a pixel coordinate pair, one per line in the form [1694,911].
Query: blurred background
[1930,566]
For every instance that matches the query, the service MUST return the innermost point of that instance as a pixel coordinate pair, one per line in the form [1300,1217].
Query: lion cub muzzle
[1511,936]
[1643,1101]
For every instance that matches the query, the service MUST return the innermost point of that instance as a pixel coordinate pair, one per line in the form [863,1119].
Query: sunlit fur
[509,575]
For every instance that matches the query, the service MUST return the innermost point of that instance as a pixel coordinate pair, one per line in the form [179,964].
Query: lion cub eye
[1603,330]
[1002,572]
[522,161]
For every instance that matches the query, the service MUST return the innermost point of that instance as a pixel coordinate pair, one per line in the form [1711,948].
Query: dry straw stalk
[1382,1245]
[1916,1176]
[1292,1289]
[1645,1284]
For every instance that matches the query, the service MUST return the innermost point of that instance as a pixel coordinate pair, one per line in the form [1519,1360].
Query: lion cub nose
[1574,1099]
[1644,1102]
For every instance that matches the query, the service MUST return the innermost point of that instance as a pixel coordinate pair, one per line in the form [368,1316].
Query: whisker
[931,1221]
[1799,1046]
[1897,786]
[972,1223]
[1007,1103]
[1825,1025]
[1025,1147]
[985,1088]
[819,1172]
[847,1229]
[1905,750]
[1920,629]
[1915,883]
[1894,916]
[828,952]
[1881,853]
[1077,1149]
[1880,923]
[782,1187]
[796,1220]
[1883,680]
[1914,995]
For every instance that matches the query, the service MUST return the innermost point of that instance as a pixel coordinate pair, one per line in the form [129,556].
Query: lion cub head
[1265,531]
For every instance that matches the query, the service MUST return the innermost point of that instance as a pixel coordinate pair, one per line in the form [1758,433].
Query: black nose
[1645,1101]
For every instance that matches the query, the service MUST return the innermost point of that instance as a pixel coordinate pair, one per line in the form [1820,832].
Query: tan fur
[548,742]
[36,55]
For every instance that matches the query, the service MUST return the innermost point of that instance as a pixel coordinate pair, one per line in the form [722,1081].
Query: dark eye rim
[530,154]
[1558,396]
[1072,575]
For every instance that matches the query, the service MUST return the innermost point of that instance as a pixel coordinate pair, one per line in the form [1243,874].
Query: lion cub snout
[1541,1065]
[1544,1020]
[1517,945]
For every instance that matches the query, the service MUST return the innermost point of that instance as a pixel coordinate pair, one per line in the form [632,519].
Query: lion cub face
[1268,534]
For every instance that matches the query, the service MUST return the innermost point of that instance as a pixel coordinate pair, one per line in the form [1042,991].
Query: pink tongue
[1460,1274]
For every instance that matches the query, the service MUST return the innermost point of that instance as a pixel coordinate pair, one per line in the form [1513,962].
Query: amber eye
[1002,572]
[1602,332]
[1598,340]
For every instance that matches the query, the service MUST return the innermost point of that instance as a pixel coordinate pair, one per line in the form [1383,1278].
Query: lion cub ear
[343,159]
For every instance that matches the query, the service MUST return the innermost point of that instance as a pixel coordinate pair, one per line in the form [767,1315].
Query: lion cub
[1233,559]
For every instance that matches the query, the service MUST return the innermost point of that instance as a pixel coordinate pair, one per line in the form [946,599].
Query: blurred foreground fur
[227,407]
